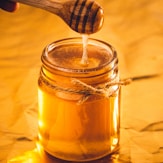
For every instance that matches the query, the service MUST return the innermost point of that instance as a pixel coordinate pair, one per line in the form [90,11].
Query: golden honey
[79,106]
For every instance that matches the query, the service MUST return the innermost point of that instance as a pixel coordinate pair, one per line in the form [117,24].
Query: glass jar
[79,115]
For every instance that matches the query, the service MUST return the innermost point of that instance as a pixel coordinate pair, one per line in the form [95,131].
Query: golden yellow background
[134,28]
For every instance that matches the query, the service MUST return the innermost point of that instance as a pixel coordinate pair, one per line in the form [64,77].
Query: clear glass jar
[79,115]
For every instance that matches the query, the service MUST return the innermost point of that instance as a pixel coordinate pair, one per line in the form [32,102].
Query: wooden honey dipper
[83,16]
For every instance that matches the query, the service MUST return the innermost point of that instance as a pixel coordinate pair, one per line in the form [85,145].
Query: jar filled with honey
[79,105]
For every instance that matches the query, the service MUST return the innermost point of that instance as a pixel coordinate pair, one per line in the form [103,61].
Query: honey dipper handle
[83,16]
[53,6]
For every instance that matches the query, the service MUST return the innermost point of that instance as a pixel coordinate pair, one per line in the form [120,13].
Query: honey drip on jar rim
[84,61]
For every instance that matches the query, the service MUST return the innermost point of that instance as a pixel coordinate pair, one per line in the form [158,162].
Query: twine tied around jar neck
[102,89]
[87,90]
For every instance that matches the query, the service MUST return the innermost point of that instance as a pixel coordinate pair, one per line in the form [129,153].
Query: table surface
[134,28]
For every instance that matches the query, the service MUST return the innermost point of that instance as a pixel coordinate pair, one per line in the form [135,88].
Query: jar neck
[91,78]
[79,88]
[62,75]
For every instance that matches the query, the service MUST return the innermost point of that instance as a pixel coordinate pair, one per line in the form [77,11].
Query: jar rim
[109,65]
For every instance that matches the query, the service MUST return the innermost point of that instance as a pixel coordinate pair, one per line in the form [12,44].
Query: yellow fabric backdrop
[134,28]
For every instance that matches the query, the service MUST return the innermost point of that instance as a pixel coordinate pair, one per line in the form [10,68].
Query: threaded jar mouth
[63,57]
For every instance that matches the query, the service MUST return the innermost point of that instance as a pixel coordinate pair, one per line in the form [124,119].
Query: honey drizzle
[84,61]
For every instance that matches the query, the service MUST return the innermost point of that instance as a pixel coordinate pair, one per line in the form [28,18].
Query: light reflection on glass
[115,114]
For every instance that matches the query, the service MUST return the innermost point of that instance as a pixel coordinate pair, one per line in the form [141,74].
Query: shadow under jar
[79,114]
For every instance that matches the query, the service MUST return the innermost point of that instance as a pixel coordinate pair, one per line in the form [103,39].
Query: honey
[79,113]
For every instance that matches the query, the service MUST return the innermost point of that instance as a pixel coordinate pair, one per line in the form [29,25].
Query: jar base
[82,157]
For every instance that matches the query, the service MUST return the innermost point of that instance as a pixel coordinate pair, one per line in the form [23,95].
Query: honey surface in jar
[77,131]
